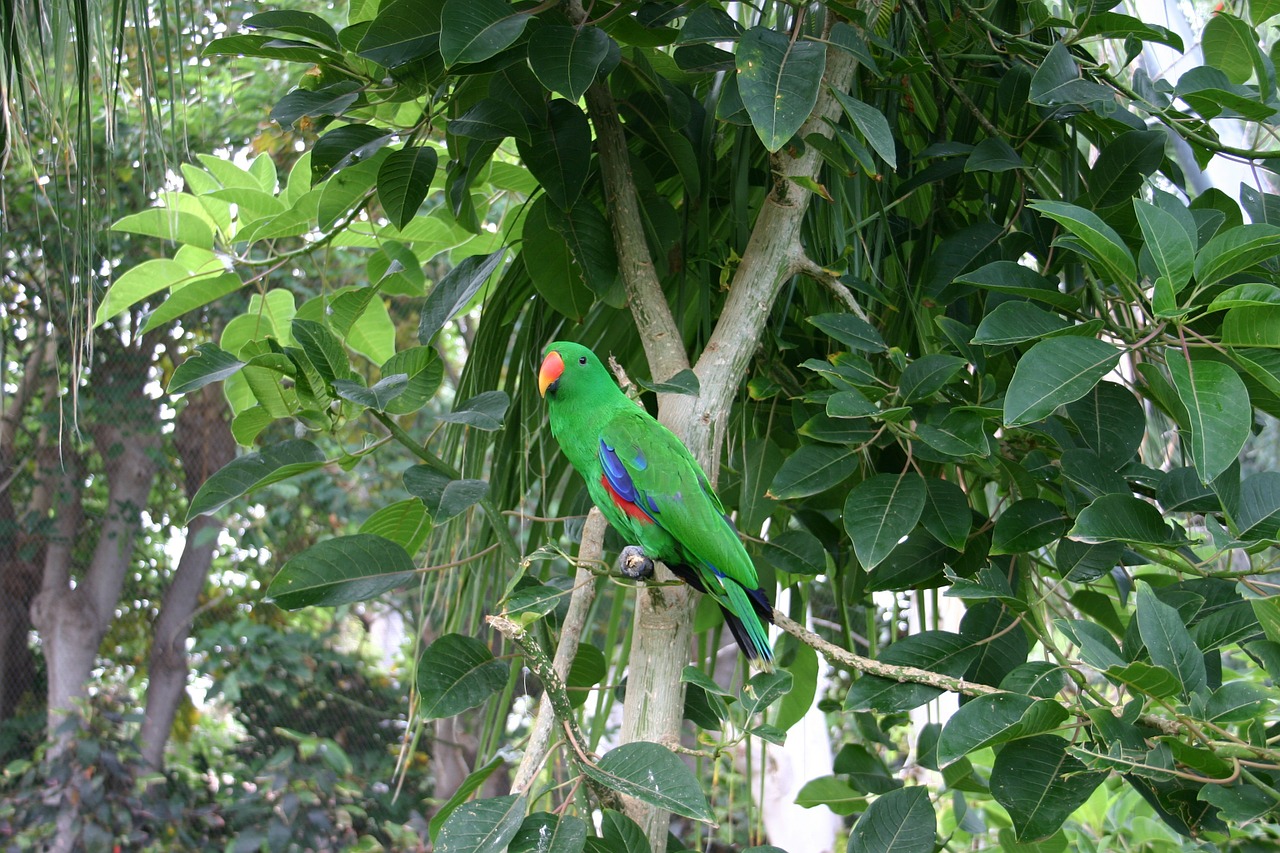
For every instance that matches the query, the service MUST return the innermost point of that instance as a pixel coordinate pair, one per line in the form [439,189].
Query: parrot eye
[582,359]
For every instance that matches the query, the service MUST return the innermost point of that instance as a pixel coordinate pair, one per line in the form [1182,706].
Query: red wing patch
[623,504]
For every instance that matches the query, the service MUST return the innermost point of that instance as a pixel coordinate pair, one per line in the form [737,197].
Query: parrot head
[572,369]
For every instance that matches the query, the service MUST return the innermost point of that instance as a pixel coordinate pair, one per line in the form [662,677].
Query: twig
[555,693]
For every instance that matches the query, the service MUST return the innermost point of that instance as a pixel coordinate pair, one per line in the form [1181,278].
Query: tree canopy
[937,294]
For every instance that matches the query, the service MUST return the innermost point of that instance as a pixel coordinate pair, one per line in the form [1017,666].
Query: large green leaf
[1058,81]
[873,126]
[813,468]
[210,363]
[1040,785]
[901,821]
[166,223]
[1168,242]
[322,348]
[490,119]
[1122,518]
[559,152]
[1054,372]
[482,826]
[543,832]
[425,371]
[566,59]
[137,283]
[1252,326]
[988,720]
[406,523]
[475,779]
[550,262]
[1165,635]
[1097,240]
[946,513]
[404,179]
[243,475]
[377,396]
[306,24]
[652,773]
[404,30]
[879,511]
[1258,517]
[1235,250]
[928,375]
[1014,322]
[1110,421]
[778,79]
[1124,165]
[452,293]
[474,30]
[1026,525]
[1230,45]
[340,571]
[456,673]
[1218,412]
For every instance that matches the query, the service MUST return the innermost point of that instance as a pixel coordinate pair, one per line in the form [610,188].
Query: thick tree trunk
[72,617]
[205,444]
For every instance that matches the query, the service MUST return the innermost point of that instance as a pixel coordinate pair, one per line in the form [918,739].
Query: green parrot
[651,489]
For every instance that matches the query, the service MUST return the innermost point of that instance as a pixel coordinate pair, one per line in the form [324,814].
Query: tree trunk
[71,613]
[205,444]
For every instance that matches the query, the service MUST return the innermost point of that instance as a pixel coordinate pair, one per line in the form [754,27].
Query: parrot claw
[633,563]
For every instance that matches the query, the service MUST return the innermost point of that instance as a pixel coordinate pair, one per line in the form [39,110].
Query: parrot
[652,490]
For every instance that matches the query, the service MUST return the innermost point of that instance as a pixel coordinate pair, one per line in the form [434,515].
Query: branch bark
[205,444]
[591,551]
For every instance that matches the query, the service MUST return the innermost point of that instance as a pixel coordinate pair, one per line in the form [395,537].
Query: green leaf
[196,293]
[490,119]
[989,720]
[425,371]
[651,773]
[1057,82]
[403,31]
[559,153]
[1263,10]
[1027,525]
[210,363]
[620,834]
[928,375]
[1242,295]
[267,47]
[244,475]
[149,278]
[566,59]
[1258,517]
[778,79]
[1123,166]
[456,673]
[344,147]
[459,496]
[1235,250]
[305,24]
[850,330]
[798,552]
[404,179]
[1165,635]
[406,523]
[1101,242]
[543,832]
[168,224]
[589,669]
[901,821]
[1219,414]
[993,155]
[453,292]
[1122,518]
[881,510]
[1149,680]
[684,382]
[330,100]
[340,571]
[1252,326]
[549,260]
[344,191]
[1053,372]
[1170,245]
[1238,702]
[873,126]
[1110,421]
[484,411]
[832,792]
[474,30]
[376,396]
[1015,322]
[468,787]
[1015,279]
[322,348]
[804,684]
[946,514]
[1040,785]
[1229,44]
[938,651]
[812,469]
[482,826]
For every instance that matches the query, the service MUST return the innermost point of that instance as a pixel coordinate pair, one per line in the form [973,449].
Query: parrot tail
[746,611]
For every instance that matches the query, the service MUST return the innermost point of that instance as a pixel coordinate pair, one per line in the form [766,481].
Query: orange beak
[549,374]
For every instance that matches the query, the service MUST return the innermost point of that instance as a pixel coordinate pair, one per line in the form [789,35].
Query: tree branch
[590,552]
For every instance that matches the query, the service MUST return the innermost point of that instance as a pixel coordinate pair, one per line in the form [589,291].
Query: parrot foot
[633,563]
